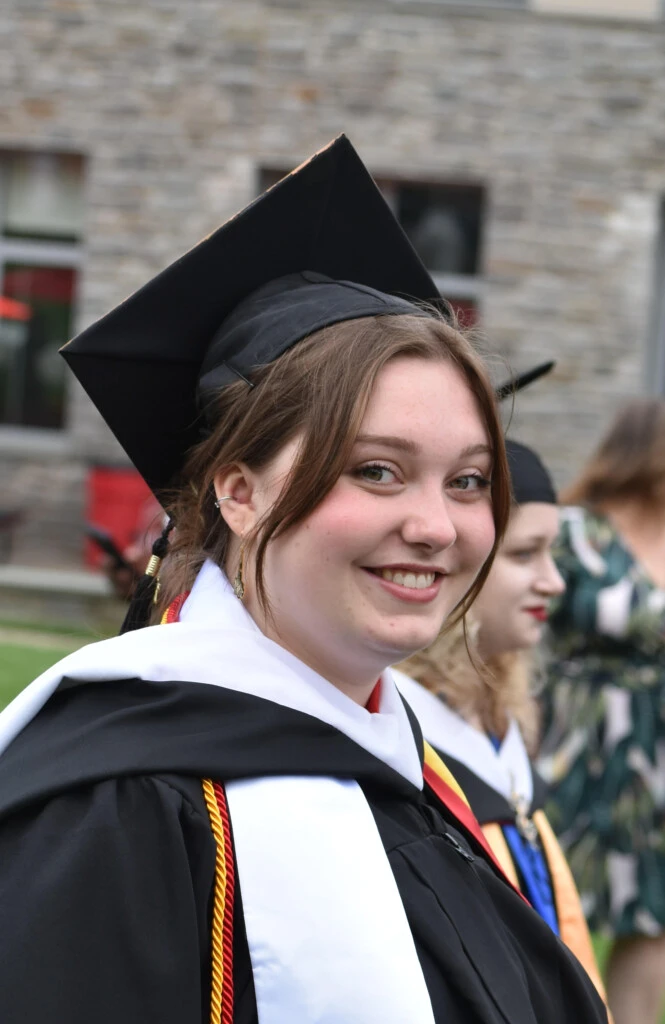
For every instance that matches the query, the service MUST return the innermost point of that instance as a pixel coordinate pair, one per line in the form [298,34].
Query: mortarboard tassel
[522,380]
[140,606]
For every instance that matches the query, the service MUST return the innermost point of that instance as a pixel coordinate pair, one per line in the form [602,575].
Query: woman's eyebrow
[476,449]
[388,441]
[535,538]
[412,448]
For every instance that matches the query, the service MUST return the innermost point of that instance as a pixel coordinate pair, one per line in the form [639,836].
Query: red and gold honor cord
[221,994]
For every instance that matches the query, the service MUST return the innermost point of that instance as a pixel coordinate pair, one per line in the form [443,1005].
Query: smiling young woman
[230,816]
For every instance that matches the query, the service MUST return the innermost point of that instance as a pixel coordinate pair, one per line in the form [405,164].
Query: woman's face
[373,572]
[512,607]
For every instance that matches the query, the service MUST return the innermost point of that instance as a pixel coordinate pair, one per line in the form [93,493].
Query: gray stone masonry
[176,105]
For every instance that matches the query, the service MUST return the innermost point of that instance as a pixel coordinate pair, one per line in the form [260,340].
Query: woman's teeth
[416,581]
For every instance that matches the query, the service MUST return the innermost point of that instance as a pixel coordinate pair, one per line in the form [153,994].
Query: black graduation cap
[319,247]
[529,477]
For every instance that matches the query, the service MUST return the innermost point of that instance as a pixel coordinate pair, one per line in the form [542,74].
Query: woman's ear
[235,490]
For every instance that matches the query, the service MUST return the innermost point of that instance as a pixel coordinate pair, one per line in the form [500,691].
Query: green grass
[601,948]
[68,634]
[20,663]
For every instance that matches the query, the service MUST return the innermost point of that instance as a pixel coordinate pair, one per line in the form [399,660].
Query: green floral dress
[603,751]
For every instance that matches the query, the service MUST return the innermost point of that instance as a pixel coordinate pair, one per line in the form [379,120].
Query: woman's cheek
[484,532]
[345,515]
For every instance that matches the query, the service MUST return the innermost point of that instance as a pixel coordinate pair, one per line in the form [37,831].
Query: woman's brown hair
[629,462]
[318,390]
[490,692]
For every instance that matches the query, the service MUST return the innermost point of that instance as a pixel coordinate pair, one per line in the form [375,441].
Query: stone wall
[177,104]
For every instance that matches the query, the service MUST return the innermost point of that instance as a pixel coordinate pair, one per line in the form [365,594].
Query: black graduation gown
[493,809]
[107,866]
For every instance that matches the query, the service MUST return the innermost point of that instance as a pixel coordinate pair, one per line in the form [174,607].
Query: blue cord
[532,866]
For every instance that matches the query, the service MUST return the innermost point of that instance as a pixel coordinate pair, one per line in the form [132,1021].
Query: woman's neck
[353,680]
[635,517]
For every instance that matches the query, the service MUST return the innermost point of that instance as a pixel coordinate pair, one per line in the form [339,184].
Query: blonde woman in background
[472,695]
[604,724]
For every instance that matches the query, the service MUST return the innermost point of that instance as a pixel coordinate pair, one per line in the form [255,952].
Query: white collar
[507,770]
[218,643]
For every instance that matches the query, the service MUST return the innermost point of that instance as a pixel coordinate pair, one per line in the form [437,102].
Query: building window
[41,217]
[444,224]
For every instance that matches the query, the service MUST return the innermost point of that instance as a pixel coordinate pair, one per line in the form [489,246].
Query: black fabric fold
[91,731]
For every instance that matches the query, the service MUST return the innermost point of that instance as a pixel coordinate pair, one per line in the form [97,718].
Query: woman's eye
[470,483]
[376,473]
[522,556]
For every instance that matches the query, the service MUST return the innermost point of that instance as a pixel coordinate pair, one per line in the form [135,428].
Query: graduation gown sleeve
[104,891]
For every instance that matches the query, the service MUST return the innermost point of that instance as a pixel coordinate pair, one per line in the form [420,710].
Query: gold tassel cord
[219,904]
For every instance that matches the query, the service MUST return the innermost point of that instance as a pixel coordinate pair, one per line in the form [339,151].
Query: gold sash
[572,925]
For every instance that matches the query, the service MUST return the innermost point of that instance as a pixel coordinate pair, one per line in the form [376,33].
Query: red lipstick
[539,613]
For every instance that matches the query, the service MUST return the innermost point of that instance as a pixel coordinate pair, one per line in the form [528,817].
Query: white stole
[328,936]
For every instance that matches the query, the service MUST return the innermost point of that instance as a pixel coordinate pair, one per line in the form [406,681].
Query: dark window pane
[268,177]
[443,224]
[32,373]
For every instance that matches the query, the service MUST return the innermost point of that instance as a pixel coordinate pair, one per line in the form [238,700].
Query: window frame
[19,438]
[451,286]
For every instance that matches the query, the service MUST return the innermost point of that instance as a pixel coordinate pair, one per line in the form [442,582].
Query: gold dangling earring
[239,579]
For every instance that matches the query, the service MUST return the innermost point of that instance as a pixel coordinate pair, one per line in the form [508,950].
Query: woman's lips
[540,613]
[411,594]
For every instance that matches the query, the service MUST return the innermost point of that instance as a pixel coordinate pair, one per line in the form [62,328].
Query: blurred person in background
[603,751]
[471,691]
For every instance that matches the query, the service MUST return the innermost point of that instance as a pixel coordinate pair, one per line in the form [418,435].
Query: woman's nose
[550,581]
[430,525]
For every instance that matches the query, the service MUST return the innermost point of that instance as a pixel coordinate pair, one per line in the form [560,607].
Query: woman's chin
[400,644]
[534,637]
